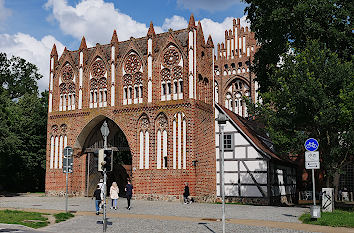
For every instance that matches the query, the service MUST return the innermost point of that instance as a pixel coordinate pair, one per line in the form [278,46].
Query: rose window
[67,73]
[165,73]
[177,72]
[93,84]
[171,57]
[62,88]
[102,82]
[98,69]
[132,64]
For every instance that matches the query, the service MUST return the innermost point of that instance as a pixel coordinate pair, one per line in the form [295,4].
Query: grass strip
[30,219]
[62,217]
[337,218]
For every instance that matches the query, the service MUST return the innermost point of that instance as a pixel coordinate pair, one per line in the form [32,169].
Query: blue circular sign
[311,144]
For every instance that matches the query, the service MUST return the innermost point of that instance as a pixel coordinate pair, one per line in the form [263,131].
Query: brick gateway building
[157,95]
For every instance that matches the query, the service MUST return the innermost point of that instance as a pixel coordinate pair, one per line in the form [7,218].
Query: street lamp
[222,121]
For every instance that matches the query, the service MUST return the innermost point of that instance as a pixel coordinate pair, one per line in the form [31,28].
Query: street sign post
[67,168]
[312,161]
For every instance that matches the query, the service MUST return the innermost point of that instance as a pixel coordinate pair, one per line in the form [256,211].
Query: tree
[311,96]
[279,23]
[23,121]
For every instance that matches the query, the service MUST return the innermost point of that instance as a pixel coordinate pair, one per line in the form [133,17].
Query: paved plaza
[158,216]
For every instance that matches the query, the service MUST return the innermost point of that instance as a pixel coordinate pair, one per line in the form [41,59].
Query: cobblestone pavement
[157,216]
[201,210]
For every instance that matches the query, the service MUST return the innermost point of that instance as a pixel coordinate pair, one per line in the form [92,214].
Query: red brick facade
[91,84]
[233,79]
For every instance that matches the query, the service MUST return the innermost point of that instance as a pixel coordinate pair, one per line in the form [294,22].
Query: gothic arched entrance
[122,159]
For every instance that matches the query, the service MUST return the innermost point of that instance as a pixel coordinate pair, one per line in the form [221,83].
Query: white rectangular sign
[312,156]
[312,165]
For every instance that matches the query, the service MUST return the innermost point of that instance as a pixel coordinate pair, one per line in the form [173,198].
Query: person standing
[97,196]
[101,185]
[186,194]
[114,190]
[129,193]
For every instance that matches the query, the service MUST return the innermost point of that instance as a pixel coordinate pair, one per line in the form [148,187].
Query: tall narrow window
[147,150]
[141,161]
[56,152]
[158,150]
[61,143]
[164,149]
[51,161]
[175,87]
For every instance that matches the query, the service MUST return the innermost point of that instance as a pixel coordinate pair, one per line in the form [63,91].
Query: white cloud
[4,12]
[209,5]
[32,50]
[96,20]
[176,23]
[217,30]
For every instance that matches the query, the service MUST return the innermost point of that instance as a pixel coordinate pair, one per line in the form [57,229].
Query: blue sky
[29,28]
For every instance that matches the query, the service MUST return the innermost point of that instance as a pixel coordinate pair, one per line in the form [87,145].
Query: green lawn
[338,218]
[30,219]
[62,217]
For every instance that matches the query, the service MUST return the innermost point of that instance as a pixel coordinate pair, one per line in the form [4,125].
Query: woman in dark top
[186,194]
[129,193]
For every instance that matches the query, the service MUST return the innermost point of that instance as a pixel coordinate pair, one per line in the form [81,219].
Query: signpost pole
[222,177]
[105,132]
[66,195]
[313,186]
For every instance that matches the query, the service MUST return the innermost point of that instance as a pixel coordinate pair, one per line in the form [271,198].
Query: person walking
[114,190]
[97,196]
[129,193]
[101,185]
[186,194]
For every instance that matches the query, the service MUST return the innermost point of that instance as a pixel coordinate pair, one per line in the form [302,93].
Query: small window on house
[228,142]
[233,64]
[181,86]
[141,92]
[130,92]
[239,64]
[226,66]
[203,54]
[247,63]
[125,93]
[164,162]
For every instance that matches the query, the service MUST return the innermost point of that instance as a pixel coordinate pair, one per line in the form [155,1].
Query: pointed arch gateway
[90,141]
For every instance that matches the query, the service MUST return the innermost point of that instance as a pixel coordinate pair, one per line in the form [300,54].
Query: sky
[29,28]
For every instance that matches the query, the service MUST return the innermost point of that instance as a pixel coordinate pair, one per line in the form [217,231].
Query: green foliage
[337,218]
[62,217]
[23,121]
[277,23]
[311,97]
[30,219]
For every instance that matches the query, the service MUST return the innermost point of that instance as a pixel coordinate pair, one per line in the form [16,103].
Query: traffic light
[105,160]
[108,159]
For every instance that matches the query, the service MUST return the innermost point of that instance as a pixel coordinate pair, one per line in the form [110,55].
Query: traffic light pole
[105,189]
[66,196]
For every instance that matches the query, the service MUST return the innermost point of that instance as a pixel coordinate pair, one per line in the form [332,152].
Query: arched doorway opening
[122,159]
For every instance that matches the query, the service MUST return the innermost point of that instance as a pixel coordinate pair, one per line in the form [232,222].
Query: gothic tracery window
[58,141]
[234,97]
[98,85]
[132,80]
[144,142]
[171,75]
[161,142]
[67,88]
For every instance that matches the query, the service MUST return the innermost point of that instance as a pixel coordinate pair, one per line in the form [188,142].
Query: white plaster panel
[254,166]
[228,154]
[228,127]
[252,153]
[240,152]
[261,178]
[230,166]
[240,140]
[229,178]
